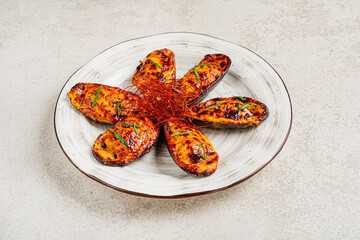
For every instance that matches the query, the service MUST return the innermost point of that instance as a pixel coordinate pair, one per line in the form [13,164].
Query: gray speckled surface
[311,190]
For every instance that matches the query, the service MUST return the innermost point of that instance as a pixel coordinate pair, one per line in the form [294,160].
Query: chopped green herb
[122,140]
[214,106]
[196,74]
[119,107]
[246,106]
[205,64]
[91,95]
[241,98]
[97,96]
[184,132]
[155,63]
[203,156]
[131,125]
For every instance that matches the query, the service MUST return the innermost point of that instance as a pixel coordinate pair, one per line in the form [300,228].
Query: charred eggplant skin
[232,112]
[209,72]
[111,105]
[190,149]
[109,150]
[158,66]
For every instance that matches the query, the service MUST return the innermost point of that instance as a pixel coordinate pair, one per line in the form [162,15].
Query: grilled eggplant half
[232,112]
[103,103]
[202,78]
[190,148]
[130,139]
[157,66]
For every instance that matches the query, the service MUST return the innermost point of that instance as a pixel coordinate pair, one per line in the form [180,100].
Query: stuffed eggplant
[202,78]
[130,139]
[158,66]
[232,112]
[103,103]
[191,149]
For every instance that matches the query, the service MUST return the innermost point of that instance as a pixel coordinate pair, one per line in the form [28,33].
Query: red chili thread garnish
[127,85]
[164,102]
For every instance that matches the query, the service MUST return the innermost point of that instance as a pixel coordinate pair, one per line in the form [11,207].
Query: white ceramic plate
[242,152]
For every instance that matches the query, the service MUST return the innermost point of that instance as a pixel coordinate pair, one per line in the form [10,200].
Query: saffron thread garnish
[122,140]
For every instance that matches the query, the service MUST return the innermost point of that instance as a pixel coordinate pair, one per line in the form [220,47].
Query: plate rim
[178,195]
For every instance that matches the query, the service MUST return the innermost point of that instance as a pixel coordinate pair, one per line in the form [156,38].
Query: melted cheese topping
[208,75]
[149,70]
[109,150]
[83,95]
[193,152]
[225,112]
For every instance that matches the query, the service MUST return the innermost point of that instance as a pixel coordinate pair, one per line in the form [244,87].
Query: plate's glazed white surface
[242,152]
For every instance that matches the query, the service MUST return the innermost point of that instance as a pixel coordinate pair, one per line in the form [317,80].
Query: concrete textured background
[311,190]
